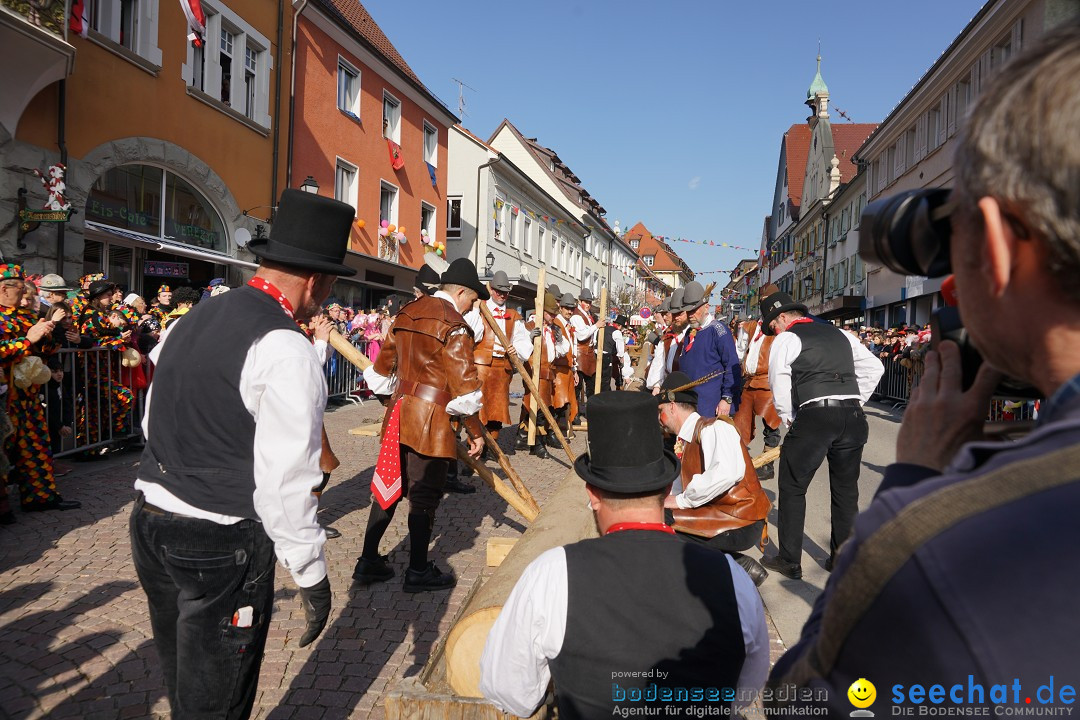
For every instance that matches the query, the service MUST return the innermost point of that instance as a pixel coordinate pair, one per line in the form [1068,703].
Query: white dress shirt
[584,331]
[657,365]
[721,446]
[753,352]
[529,632]
[465,405]
[283,387]
[786,348]
[520,340]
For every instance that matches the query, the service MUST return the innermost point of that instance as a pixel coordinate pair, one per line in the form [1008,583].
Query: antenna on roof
[461,97]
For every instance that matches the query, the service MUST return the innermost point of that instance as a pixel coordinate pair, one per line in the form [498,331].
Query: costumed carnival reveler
[555,346]
[585,328]
[757,400]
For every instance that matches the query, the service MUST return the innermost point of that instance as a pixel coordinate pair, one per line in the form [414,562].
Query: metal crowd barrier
[343,379]
[93,400]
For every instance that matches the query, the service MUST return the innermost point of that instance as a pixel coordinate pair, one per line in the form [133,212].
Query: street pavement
[75,637]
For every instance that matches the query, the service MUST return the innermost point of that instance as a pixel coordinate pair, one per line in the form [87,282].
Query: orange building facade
[166,145]
[354,93]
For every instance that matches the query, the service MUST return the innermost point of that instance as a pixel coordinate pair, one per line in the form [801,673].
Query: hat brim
[58,289]
[631,480]
[260,249]
[766,320]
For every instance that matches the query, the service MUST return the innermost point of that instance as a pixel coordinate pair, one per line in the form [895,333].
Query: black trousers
[196,575]
[819,433]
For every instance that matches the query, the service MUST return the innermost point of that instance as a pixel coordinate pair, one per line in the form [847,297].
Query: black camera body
[910,233]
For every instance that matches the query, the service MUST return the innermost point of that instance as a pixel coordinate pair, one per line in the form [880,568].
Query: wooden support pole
[511,474]
[504,491]
[348,351]
[538,346]
[600,344]
[528,380]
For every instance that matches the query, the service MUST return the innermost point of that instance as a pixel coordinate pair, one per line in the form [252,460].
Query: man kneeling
[720,501]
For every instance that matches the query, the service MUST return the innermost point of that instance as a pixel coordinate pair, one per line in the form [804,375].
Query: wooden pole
[528,380]
[600,344]
[538,346]
[505,492]
[504,463]
[348,351]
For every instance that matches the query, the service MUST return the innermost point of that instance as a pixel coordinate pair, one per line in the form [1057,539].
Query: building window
[526,235]
[388,210]
[232,66]
[648,260]
[562,255]
[635,244]
[453,219]
[431,145]
[427,219]
[933,129]
[391,117]
[120,21]
[348,89]
[909,148]
[511,222]
[542,233]
[345,185]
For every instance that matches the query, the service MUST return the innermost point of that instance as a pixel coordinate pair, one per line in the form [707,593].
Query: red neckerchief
[262,284]
[659,527]
[798,322]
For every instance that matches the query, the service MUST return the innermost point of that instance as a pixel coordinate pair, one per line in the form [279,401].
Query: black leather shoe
[552,440]
[539,450]
[521,440]
[752,567]
[766,472]
[432,578]
[788,570]
[456,485]
[372,571]
[55,504]
[331,533]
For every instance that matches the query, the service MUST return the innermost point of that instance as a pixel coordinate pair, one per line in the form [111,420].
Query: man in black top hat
[225,483]
[638,601]
[820,378]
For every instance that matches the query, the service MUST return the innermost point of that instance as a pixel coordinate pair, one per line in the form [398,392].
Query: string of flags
[514,209]
[713,243]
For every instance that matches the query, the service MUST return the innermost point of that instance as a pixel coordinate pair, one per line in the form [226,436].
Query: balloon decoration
[431,245]
[360,223]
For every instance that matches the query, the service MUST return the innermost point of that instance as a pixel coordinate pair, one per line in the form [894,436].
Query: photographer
[963,566]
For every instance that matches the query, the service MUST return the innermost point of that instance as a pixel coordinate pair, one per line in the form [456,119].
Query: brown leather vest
[545,364]
[585,350]
[759,380]
[742,505]
[486,349]
[568,331]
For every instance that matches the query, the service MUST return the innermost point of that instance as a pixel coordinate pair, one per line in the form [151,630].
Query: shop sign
[39,216]
[160,268]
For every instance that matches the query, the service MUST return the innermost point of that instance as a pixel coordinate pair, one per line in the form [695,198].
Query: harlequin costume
[158,310]
[80,301]
[100,383]
[28,446]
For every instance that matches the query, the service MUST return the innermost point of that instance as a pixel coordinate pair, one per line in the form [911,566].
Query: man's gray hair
[1020,146]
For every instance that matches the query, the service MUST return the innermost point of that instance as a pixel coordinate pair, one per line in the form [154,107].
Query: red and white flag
[196,20]
[396,161]
[386,484]
[78,23]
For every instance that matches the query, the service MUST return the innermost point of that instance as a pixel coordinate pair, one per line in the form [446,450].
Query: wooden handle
[598,380]
[515,479]
[538,345]
[348,351]
[505,492]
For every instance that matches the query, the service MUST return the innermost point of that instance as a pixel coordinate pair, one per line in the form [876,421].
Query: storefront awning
[152,243]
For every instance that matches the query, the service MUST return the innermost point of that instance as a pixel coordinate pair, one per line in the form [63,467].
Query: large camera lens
[908,233]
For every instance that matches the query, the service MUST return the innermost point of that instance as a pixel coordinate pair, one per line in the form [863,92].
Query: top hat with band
[310,232]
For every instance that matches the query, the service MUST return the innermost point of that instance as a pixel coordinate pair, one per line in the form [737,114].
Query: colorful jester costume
[103,379]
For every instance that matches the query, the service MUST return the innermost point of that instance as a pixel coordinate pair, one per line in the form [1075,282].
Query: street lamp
[807,283]
[310,185]
[489,262]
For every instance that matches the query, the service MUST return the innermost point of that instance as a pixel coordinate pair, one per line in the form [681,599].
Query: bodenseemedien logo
[862,694]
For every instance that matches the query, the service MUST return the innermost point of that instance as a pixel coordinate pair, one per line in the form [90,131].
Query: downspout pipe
[292,95]
[277,109]
[61,142]
[476,240]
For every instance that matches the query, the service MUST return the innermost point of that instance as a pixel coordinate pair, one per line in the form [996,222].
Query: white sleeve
[868,369]
[521,341]
[785,348]
[475,321]
[724,466]
[657,369]
[322,350]
[755,667]
[582,332]
[556,349]
[467,404]
[379,384]
[283,385]
[529,631]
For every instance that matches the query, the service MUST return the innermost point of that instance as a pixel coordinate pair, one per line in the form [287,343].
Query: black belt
[832,402]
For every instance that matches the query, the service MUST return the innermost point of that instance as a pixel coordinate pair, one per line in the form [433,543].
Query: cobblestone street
[75,637]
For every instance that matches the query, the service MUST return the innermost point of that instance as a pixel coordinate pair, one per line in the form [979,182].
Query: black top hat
[773,306]
[621,320]
[427,279]
[586,295]
[626,446]
[501,282]
[310,232]
[676,380]
[567,300]
[463,272]
[99,287]
[693,296]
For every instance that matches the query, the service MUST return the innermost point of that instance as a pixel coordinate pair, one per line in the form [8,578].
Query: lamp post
[808,282]
[489,262]
[310,185]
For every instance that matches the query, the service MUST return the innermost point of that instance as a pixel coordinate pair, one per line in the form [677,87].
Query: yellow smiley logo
[862,693]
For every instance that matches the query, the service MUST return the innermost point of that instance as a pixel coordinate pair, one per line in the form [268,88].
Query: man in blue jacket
[708,350]
[958,586]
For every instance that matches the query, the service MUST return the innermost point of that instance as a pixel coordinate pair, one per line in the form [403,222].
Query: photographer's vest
[825,367]
[201,444]
[640,601]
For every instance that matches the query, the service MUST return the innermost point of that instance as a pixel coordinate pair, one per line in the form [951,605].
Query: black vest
[641,601]
[826,365]
[202,439]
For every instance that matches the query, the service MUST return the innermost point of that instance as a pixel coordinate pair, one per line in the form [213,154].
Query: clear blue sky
[671,112]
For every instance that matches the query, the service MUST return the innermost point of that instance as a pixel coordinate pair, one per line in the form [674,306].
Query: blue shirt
[712,349]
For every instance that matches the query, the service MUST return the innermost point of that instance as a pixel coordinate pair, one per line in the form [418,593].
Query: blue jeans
[196,574]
